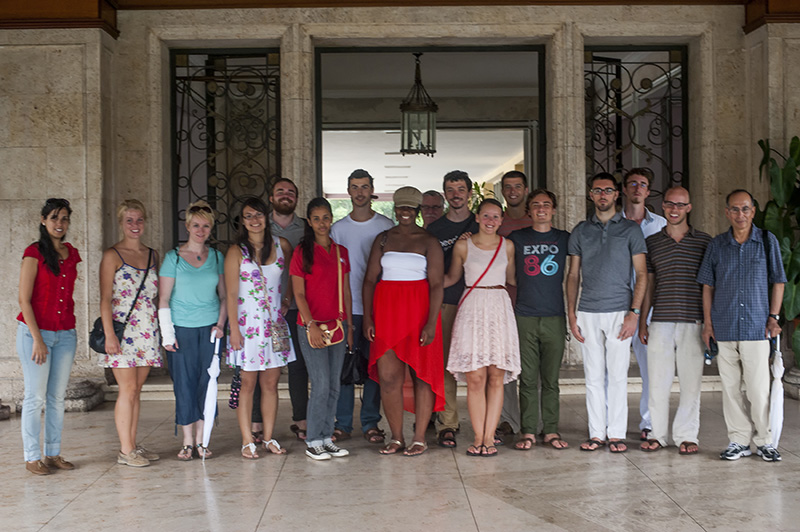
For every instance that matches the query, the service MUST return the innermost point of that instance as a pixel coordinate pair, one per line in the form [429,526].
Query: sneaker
[318,452]
[735,451]
[335,451]
[57,462]
[149,455]
[133,459]
[768,453]
[37,468]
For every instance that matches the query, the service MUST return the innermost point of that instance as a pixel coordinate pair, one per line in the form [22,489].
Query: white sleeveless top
[404,266]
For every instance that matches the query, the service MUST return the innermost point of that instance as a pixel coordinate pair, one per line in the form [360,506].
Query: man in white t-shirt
[357,232]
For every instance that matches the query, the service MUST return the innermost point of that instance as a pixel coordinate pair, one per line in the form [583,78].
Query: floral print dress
[141,342]
[260,304]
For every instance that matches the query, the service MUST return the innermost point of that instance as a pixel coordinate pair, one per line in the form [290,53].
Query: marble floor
[443,489]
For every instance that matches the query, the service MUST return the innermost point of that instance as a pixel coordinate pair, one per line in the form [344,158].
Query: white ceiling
[484,154]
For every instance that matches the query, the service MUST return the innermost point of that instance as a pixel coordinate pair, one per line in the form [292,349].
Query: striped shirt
[512,224]
[677,296]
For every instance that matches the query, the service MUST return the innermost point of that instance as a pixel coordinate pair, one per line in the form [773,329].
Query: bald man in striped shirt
[674,336]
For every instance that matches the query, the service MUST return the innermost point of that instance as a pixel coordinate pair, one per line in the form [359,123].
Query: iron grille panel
[635,107]
[226,132]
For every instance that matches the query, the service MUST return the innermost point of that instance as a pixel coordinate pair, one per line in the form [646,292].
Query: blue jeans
[325,373]
[44,383]
[371,395]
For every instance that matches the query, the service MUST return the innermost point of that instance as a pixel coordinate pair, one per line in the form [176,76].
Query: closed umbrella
[210,408]
[776,395]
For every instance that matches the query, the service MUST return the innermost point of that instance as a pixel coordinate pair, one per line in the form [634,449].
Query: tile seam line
[664,492]
[81,492]
[464,489]
[271,491]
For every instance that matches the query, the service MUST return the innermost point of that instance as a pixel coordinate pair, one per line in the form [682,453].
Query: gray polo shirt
[293,233]
[606,252]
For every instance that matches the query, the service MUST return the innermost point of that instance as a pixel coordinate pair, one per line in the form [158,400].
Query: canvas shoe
[735,451]
[132,459]
[768,453]
[318,453]
[335,451]
[149,455]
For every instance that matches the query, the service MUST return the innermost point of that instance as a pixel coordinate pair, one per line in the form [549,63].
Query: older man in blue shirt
[741,315]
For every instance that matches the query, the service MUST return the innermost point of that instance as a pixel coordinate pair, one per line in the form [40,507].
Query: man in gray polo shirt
[604,250]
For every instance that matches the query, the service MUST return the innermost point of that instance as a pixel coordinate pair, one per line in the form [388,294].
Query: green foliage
[781,216]
[478,195]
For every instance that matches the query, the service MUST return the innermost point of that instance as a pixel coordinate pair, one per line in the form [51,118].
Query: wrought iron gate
[636,105]
[226,131]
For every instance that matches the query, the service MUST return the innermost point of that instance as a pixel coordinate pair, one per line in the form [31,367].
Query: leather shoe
[37,468]
[58,462]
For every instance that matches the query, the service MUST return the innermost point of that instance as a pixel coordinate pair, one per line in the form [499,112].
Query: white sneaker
[335,451]
[318,452]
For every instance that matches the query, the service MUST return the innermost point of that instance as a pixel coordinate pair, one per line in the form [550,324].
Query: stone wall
[87,117]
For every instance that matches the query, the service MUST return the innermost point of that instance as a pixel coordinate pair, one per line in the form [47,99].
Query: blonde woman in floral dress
[253,270]
[124,266]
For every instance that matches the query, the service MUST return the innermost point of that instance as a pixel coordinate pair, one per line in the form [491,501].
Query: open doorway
[489,120]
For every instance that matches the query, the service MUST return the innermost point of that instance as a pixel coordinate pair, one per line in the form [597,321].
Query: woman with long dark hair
[126,266]
[259,342]
[192,311]
[46,337]
[321,281]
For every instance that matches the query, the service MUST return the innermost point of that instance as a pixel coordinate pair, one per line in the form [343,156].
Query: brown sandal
[375,435]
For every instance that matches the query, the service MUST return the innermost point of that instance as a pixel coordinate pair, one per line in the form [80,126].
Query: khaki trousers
[448,418]
[748,361]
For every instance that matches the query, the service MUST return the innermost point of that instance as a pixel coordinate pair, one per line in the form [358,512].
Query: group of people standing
[468,297]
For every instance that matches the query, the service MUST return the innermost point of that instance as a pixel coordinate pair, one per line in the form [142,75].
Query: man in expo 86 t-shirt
[541,257]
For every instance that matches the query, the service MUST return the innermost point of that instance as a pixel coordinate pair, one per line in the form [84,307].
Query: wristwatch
[635,311]
[777,318]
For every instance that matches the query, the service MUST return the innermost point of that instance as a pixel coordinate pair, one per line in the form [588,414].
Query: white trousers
[640,350]
[605,359]
[671,345]
[751,361]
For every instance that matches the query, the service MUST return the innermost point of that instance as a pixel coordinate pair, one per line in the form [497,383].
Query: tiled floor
[543,489]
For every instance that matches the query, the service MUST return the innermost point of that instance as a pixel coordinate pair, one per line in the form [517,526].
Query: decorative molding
[760,12]
[221,4]
[60,14]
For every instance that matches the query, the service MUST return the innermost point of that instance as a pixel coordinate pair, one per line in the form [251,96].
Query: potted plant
[781,217]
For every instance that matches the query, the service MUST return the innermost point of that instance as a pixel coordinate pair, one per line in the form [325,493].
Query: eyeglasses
[675,205]
[198,208]
[607,191]
[252,216]
[743,210]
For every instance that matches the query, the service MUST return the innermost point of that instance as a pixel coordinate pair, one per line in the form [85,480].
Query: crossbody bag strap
[141,285]
[340,281]
[471,288]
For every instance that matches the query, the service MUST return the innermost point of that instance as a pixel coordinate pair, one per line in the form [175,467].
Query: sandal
[251,453]
[300,433]
[375,435]
[340,435]
[498,438]
[645,435]
[556,440]
[523,444]
[416,445]
[185,454]
[651,446]
[587,445]
[204,452]
[617,446]
[277,445]
[393,447]
[474,450]
[688,447]
[258,437]
[446,438]
[487,451]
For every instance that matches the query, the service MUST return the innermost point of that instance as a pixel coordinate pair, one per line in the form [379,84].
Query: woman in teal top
[191,310]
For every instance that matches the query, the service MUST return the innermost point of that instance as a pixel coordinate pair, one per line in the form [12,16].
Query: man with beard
[284,222]
[604,250]
[448,229]
[514,186]
[636,189]
[357,232]
[674,337]
[432,207]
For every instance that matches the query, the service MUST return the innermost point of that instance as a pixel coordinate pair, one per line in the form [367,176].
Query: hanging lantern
[418,122]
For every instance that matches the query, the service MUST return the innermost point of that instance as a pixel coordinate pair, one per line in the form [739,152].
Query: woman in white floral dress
[124,266]
[258,342]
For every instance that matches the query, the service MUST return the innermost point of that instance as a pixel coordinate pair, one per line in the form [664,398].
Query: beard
[284,208]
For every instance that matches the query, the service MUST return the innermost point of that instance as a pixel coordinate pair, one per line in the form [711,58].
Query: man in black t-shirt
[541,258]
[448,229]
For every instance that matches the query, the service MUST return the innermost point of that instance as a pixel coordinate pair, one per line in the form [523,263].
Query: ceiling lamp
[418,122]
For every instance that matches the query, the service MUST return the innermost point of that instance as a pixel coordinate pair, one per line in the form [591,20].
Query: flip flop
[598,443]
[387,449]
[522,441]
[422,444]
[185,454]
[485,452]
[614,446]
[649,449]
[684,448]
[557,439]
[475,452]
[645,435]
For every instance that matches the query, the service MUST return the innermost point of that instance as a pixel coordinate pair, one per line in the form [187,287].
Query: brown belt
[495,287]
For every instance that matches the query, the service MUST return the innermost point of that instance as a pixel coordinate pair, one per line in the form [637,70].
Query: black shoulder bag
[97,336]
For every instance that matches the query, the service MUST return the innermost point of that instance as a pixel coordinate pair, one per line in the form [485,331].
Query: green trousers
[541,345]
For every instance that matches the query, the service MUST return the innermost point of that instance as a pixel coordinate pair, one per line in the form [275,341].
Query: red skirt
[401,311]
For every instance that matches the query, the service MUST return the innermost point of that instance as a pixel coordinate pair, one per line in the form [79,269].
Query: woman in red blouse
[46,336]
